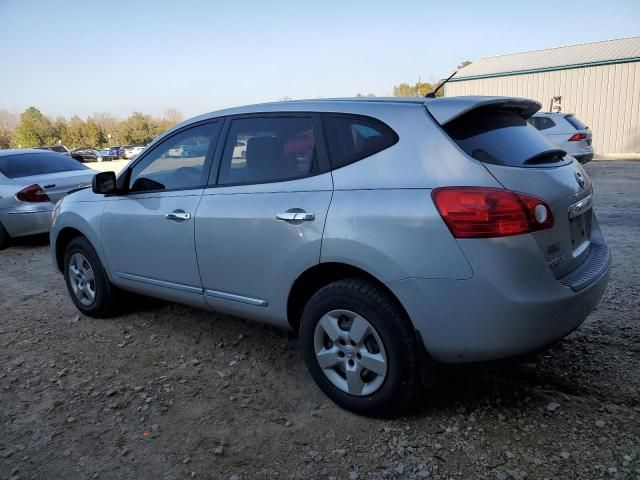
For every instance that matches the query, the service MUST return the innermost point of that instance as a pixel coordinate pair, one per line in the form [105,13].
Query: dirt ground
[169,392]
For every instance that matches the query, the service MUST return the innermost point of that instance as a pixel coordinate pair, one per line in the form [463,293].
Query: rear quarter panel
[382,218]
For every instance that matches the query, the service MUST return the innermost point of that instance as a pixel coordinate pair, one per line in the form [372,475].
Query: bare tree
[172,115]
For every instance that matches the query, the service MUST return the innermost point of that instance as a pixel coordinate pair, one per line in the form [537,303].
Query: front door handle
[178,215]
[296,216]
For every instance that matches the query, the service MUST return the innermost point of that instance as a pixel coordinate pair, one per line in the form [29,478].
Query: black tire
[4,238]
[104,302]
[365,298]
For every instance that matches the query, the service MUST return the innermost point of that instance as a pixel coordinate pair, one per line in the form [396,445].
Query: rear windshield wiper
[548,156]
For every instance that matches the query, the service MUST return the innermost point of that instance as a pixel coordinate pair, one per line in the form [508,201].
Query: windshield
[501,136]
[29,164]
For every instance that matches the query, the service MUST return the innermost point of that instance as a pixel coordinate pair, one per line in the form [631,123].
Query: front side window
[268,149]
[176,163]
[352,139]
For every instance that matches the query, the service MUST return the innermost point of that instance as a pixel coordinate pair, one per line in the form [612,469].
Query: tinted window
[352,139]
[28,164]
[176,163]
[542,123]
[268,149]
[577,124]
[501,136]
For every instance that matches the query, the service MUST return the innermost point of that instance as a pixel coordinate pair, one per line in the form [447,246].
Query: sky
[82,57]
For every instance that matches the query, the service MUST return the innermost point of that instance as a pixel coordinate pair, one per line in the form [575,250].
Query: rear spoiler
[444,110]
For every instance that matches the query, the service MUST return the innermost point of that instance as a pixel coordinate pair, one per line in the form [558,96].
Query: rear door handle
[296,216]
[178,215]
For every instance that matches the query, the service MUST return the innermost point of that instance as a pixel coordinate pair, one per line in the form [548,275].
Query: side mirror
[104,182]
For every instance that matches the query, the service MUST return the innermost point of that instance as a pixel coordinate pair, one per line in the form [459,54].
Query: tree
[34,129]
[464,64]
[138,128]
[60,130]
[172,116]
[93,135]
[420,89]
[75,137]
[8,123]
[109,125]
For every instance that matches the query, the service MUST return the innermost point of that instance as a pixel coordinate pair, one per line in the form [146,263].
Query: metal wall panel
[606,97]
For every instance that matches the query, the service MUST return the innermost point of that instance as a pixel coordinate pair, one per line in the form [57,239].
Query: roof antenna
[433,94]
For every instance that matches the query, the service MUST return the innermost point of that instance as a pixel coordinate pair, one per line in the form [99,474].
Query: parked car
[106,155]
[31,182]
[56,148]
[565,130]
[85,154]
[132,151]
[423,230]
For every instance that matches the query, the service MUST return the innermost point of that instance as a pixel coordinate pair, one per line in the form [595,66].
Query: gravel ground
[168,392]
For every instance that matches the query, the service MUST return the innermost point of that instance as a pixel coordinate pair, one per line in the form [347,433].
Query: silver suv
[566,131]
[390,234]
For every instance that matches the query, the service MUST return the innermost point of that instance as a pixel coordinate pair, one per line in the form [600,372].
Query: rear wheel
[87,281]
[360,347]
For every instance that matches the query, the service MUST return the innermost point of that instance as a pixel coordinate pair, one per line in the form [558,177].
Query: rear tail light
[477,212]
[33,193]
[577,136]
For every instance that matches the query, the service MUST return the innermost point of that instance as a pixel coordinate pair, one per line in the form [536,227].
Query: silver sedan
[31,182]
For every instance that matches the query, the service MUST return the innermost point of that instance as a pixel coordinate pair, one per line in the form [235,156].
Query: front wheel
[87,281]
[360,347]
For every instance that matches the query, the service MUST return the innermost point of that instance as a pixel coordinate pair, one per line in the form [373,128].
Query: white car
[566,131]
[132,152]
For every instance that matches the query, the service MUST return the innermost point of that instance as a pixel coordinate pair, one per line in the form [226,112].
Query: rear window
[29,164]
[541,123]
[501,136]
[354,138]
[577,124]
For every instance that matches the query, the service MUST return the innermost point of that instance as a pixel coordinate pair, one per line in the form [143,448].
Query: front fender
[86,218]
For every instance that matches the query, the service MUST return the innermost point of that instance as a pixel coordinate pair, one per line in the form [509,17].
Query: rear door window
[29,164]
[575,123]
[501,136]
[268,149]
[353,138]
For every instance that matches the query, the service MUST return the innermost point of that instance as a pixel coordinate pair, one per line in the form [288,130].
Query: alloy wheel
[82,279]
[350,352]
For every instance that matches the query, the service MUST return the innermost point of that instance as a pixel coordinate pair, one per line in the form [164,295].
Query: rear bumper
[494,316]
[584,157]
[28,219]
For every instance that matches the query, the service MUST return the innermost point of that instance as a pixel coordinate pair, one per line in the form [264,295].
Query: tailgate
[568,191]
[497,134]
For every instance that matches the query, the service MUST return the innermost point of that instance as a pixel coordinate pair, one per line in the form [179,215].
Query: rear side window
[542,123]
[354,138]
[29,164]
[268,149]
[501,136]
[577,124]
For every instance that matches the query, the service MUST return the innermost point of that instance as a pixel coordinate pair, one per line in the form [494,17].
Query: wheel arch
[320,275]
[63,239]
